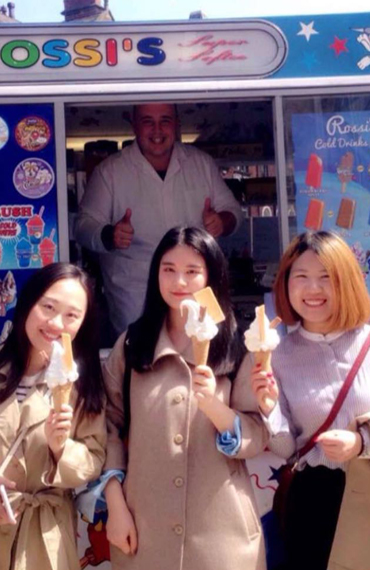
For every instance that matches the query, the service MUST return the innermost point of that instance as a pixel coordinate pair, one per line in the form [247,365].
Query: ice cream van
[281,104]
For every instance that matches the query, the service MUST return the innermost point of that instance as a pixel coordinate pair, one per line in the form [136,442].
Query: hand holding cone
[261,338]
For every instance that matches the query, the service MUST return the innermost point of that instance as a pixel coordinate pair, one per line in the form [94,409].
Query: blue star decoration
[275,474]
[309,59]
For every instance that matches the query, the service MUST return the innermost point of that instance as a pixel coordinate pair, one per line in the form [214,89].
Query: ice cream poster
[332,177]
[28,207]
[11,282]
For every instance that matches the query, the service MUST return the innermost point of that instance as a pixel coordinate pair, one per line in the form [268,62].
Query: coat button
[178,439]
[179,481]
[178,529]
[177,398]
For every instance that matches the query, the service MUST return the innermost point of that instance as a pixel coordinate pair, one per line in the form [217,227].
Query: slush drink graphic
[35,227]
[47,251]
[23,252]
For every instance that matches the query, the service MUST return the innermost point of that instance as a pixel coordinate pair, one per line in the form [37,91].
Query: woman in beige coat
[57,451]
[351,546]
[186,504]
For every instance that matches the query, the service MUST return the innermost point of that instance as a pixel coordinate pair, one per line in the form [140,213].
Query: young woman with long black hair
[186,501]
[57,451]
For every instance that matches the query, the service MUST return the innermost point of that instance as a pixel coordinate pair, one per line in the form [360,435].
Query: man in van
[134,197]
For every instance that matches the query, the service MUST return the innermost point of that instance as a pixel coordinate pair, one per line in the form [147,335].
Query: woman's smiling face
[311,292]
[62,308]
[182,272]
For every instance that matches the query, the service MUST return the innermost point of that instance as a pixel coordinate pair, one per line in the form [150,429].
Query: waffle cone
[200,350]
[61,395]
[263,358]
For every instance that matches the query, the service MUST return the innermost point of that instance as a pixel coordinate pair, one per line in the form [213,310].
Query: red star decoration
[339,45]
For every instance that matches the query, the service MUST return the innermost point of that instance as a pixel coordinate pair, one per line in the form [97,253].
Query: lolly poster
[332,177]
[28,198]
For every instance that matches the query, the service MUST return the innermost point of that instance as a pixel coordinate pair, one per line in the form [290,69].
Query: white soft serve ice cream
[56,373]
[253,341]
[201,330]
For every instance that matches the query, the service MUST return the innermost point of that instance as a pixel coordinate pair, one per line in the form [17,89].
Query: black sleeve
[107,237]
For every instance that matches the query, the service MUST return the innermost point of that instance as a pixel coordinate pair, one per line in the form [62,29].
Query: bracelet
[360,432]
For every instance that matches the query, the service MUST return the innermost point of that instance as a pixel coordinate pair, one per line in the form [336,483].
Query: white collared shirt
[127,180]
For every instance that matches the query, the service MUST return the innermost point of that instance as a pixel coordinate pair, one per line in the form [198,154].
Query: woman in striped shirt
[58,451]
[319,288]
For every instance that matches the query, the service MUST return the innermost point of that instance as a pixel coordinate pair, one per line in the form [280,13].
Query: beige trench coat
[45,537]
[193,507]
[351,546]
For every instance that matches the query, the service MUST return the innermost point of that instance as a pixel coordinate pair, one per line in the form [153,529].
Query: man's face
[155,129]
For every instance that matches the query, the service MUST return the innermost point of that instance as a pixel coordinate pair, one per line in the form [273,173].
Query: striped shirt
[25,386]
[310,369]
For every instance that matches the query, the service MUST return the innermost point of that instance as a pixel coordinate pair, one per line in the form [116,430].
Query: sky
[144,10]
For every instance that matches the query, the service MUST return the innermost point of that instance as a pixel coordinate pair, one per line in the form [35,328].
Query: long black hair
[16,351]
[226,349]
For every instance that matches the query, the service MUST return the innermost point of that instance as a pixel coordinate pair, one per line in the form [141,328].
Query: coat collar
[33,411]
[35,408]
[166,348]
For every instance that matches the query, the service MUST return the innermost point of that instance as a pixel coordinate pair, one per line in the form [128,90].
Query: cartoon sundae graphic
[33,178]
[8,293]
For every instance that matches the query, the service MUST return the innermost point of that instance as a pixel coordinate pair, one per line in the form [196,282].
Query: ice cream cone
[61,395]
[264,358]
[261,339]
[200,350]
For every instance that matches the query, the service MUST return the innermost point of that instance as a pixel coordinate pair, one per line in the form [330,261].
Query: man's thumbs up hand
[127,217]
[211,220]
[207,206]
[123,231]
